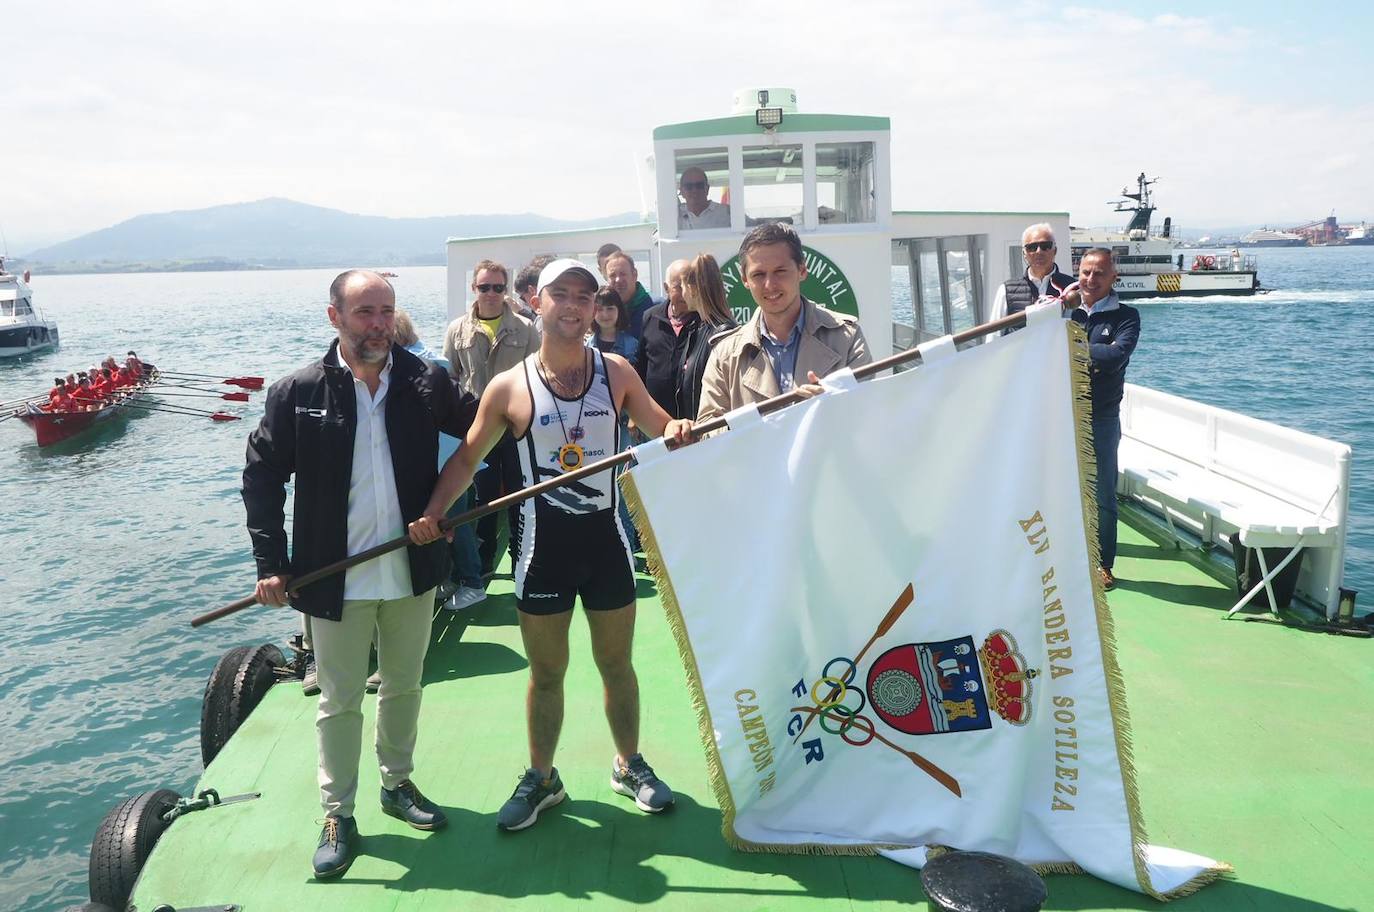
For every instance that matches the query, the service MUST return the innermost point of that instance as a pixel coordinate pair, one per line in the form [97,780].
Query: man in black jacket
[663,341]
[1113,330]
[1041,278]
[359,431]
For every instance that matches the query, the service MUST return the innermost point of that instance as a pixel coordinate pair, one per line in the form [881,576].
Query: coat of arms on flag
[886,610]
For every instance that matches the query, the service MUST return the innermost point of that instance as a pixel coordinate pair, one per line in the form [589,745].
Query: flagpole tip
[981,882]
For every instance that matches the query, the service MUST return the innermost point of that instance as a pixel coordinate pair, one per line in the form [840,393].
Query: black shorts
[575,555]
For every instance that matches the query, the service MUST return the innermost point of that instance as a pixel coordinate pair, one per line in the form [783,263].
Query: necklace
[570,454]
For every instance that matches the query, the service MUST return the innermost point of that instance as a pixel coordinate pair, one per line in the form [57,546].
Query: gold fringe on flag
[1081,388]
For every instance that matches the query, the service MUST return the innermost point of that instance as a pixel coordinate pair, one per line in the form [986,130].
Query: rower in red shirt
[103,383]
[57,397]
[124,378]
[86,398]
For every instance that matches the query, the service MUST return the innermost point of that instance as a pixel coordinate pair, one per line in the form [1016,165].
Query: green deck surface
[1253,744]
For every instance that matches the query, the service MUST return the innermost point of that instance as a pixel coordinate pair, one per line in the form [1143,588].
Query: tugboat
[1147,265]
[22,328]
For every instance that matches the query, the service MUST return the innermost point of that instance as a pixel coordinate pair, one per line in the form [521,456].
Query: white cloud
[435,108]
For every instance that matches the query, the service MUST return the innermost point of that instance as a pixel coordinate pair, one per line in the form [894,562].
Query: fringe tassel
[1079,383]
[720,786]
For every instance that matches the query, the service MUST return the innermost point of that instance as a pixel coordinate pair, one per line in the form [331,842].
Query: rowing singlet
[590,421]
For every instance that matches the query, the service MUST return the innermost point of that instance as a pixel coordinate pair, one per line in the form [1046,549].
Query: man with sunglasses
[1042,277]
[697,211]
[490,338]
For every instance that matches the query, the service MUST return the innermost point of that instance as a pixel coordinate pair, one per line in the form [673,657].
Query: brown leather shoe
[1108,581]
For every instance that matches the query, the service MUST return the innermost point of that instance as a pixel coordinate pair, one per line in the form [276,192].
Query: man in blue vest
[1042,277]
[1113,329]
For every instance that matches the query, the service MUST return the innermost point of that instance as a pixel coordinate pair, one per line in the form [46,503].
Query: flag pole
[766,407]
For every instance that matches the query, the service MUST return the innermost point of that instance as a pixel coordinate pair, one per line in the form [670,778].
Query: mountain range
[282,233]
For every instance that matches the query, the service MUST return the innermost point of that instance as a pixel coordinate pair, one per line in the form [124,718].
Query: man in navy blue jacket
[1113,329]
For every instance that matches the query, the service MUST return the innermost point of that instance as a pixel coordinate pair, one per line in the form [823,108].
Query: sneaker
[338,843]
[310,684]
[444,590]
[374,682]
[531,796]
[636,779]
[464,598]
[1108,581]
[405,802]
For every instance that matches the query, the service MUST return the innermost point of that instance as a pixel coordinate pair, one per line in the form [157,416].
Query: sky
[1248,112]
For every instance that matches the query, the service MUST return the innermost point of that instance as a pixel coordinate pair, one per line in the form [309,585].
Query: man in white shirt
[696,210]
[1041,278]
[376,409]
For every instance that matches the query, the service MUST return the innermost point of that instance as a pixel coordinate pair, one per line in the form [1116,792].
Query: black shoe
[338,843]
[405,802]
[531,796]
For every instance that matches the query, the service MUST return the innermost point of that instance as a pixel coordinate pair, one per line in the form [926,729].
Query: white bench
[1217,472]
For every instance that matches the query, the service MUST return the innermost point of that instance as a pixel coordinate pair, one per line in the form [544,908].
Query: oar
[501,503]
[254,383]
[230,397]
[26,399]
[180,410]
[898,608]
[935,772]
[177,384]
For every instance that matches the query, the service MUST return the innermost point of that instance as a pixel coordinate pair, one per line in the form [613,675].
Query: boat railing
[1215,472]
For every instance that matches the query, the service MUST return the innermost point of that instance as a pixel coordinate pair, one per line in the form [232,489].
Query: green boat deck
[1253,745]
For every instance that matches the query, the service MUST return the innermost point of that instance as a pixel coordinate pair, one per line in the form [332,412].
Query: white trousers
[341,650]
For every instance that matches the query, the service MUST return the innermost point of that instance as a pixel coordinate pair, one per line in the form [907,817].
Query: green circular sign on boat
[824,284]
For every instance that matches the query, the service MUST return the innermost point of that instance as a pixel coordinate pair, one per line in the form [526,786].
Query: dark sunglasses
[694,185]
[1033,246]
[497,287]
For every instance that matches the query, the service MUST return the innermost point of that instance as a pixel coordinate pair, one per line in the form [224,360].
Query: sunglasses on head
[497,287]
[1033,246]
[694,185]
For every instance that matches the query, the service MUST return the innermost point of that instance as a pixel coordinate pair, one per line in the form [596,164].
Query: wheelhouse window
[773,184]
[703,188]
[845,183]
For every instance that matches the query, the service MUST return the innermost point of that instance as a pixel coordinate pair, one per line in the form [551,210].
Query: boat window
[22,308]
[959,276]
[703,188]
[6,308]
[946,282]
[844,183]
[773,184]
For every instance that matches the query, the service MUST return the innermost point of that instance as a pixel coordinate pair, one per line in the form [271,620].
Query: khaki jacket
[474,358]
[739,372]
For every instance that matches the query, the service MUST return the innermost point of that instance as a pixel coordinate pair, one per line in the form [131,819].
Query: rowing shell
[55,427]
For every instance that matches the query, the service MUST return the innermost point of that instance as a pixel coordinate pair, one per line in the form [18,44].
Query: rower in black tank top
[570,539]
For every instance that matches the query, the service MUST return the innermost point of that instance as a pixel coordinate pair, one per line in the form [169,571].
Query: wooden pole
[715,424]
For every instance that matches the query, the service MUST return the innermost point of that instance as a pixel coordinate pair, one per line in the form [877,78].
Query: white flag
[886,606]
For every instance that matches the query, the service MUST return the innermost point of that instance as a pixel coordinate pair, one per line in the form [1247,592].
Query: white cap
[551,273]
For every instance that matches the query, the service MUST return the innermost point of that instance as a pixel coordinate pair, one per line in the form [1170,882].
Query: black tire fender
[123,843]
[240,679]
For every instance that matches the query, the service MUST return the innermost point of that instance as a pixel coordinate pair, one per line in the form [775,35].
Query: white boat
[1267,237]
[22,328]
[1360,235]
[1150,266]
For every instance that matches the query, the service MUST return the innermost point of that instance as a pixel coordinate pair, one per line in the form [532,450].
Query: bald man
[373,408]
[663,343]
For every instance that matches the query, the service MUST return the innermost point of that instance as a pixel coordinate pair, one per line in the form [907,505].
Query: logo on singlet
[597,413]
[546,420]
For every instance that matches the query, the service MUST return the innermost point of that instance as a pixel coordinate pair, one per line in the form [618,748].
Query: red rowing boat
[55,427]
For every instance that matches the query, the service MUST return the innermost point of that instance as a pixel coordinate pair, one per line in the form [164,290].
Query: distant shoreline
[42,269]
